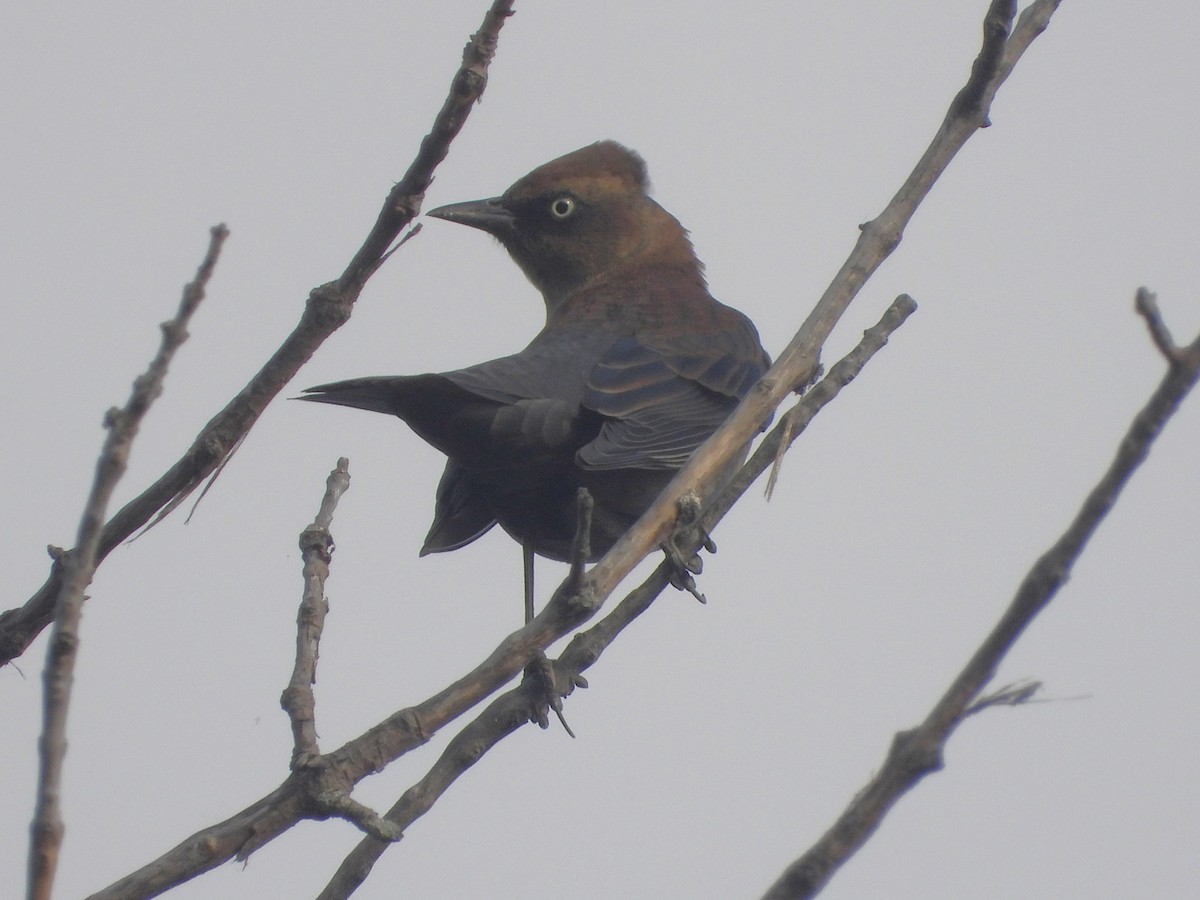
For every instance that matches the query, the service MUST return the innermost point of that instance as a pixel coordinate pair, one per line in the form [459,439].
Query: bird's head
[579,218]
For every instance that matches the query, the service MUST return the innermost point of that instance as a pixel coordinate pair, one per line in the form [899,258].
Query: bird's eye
[562,207]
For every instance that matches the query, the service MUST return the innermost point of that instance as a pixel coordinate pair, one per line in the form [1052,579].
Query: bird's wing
[659,404]
[525,407]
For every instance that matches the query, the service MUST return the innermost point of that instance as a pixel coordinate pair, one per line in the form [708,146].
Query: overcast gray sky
[717,742]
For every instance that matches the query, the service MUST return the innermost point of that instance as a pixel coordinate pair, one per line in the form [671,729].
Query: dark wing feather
[659,406]
[461,513]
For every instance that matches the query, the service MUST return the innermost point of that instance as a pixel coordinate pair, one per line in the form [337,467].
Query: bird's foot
[544,686]
[689,532]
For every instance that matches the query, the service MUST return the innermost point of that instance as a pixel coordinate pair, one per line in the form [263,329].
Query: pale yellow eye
[562,207]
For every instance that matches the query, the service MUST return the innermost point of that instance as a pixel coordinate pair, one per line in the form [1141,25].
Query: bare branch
[316,549]
[343,806]
[916,753]
[328,308]
[796,419]
[500,718]
[79,565]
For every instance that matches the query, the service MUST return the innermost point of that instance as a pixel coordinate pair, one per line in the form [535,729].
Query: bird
[636,365]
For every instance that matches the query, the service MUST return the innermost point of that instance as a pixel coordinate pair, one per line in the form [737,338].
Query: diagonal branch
[878,238]
[916,753]
[327,309]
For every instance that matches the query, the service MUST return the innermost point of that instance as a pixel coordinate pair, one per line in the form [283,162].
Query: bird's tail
[380,394]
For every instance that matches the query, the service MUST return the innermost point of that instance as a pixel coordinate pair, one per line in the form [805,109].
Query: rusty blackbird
[636,366]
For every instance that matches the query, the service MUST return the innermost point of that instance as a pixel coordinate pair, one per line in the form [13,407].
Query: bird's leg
[540,670]
[527,558]
[685,566]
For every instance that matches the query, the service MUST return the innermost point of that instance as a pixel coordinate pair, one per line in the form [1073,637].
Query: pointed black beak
[486,215]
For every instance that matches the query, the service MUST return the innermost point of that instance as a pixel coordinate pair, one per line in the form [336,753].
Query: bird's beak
[486,215]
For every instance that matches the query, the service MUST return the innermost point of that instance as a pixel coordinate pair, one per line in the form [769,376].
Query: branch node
[915,755]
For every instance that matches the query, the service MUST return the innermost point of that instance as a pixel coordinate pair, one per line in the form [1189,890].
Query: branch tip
[1146,304]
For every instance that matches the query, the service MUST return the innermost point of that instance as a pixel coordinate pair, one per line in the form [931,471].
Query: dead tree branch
[916,753]
[79,565]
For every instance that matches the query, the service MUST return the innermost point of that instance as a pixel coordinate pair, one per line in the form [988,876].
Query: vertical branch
[79,565]
[316,549]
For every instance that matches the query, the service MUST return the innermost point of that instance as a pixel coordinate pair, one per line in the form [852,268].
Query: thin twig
[1146,304]
[796,419]
[1019,694]
[79,566]
[324,797]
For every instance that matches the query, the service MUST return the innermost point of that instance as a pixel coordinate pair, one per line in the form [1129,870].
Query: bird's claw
[692,564]
[685,564]
[682,580]
[680,569]
[546,693]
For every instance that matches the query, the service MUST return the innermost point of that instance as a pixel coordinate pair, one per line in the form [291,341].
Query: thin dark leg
[527,557]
